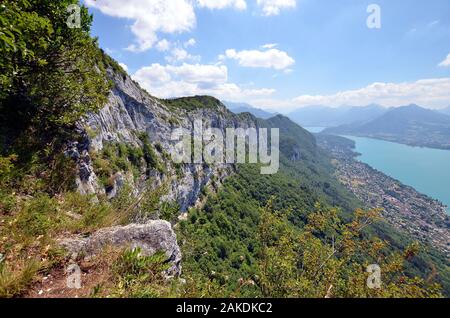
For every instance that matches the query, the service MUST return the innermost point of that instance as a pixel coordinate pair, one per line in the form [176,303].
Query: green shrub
[39,216]
[116,157]
[14,280]
[138,275]
[150,155]
[6,169]
[169,211]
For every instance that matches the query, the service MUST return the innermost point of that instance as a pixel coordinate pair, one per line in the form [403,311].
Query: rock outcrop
[150,237]
[130,112]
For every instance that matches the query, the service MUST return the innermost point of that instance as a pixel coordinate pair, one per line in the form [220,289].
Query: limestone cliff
[131,111]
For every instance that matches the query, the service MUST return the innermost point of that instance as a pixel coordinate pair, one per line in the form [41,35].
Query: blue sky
[282,54]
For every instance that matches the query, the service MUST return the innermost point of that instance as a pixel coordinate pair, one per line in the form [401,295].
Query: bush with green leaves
[51,74]
[138,275]
[295,247]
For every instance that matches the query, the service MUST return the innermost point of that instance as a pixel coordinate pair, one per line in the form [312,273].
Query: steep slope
[131,113]
[412,125]
[322,116]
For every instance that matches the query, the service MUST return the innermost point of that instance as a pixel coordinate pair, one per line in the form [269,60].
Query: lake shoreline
[403,206]
[425,169]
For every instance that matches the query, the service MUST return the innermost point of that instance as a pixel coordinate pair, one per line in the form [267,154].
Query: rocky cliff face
[129,113]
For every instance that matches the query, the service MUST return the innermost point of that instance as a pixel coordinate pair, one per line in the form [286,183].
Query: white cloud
[272,58]
[150,17]
[273,7]
[190,42]
[269,45]
[446,62]
[124,66]
[193,79]
[221,57]
[433,23]
[155,73]
[429,93]
[432,93]
[198,73]
[179,54]
[222,4]
[163,45]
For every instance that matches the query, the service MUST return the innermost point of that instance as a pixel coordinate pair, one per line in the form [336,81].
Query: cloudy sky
[282,54]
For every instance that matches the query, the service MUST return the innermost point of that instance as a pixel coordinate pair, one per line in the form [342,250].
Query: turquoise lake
[426,170]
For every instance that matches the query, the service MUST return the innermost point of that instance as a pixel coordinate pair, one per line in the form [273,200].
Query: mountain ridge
[323,116]
[412,125]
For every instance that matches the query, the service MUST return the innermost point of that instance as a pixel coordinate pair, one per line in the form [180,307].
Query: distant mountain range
[445,111]
[411,125]
[238,108]
[322,116]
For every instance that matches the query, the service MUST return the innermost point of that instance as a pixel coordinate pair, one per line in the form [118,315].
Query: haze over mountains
[411,125]
[239,108]
[445,110]
[323,116]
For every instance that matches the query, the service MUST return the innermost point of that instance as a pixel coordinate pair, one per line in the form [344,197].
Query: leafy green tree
[50,74]
[329,258]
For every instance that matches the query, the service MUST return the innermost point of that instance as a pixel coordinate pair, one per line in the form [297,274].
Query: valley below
[405,208]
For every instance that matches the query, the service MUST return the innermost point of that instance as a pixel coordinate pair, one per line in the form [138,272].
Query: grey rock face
[129,112]
[151,237]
